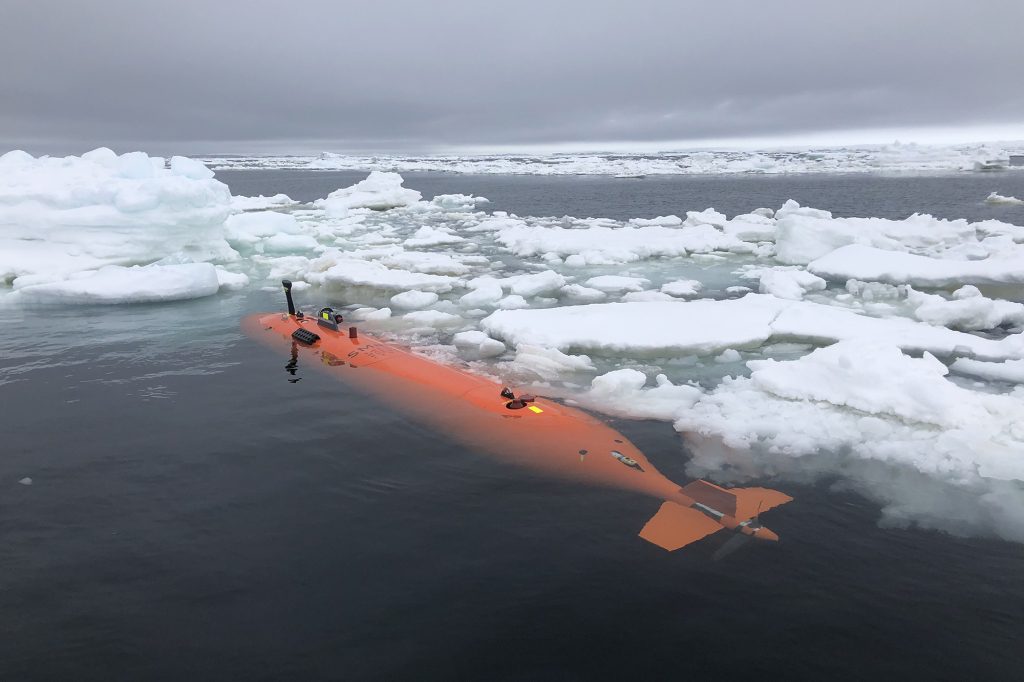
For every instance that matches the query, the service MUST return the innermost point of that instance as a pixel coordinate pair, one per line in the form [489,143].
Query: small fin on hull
[739,503]
[752,501]
[675,526]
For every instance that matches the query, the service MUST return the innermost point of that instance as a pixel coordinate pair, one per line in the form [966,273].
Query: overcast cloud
[201,77]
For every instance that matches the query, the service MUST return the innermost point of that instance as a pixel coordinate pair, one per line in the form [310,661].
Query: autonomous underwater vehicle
[527,430]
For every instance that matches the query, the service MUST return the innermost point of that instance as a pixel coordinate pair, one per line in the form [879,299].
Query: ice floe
[868,263]
[379,191]
[707,327]
[64,215]
[137,284]
[999,199]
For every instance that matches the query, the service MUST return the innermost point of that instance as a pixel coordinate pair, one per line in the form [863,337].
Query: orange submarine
[527,430]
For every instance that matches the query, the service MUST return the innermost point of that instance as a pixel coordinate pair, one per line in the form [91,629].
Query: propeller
[738,540]
[733,544]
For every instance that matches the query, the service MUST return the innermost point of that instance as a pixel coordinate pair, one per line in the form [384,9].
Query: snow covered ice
[781,342]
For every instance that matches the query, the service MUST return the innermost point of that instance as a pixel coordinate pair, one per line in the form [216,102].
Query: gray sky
[186,76]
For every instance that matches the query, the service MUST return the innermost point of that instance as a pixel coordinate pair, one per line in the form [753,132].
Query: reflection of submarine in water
[527,430]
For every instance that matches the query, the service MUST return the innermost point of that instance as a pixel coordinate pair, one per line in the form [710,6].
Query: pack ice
[786,343]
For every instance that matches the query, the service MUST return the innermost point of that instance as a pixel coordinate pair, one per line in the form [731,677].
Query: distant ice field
[894,157]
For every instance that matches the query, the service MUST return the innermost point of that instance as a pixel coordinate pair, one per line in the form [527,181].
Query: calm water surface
[193,515]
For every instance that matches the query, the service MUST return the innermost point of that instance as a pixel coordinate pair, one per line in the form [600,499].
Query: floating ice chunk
[478,343]
[578,293]
[699,327]
[486,291]
[683,288]
[231,281]
[25,481]
[137,284]
[458,202]
[793,208]
[549,363]
[261,202]
[414,299]
[380,191]
[513,302]
[969,310]
[708,216]
[999,199]
[431,236]
[433,318]
[377,315]
[752,227]
[647,296]
[663,220]
[336,270]
[1007,370]
[802,237]
[706,327]
[622,393]
[872,264]
[860,374]
[546,282]
[617,283]
[425,261]
[728,355]
[791,284]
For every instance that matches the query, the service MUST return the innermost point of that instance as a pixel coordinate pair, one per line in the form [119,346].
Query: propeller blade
[731,545]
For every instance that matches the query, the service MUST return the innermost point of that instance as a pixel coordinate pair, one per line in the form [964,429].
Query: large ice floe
[62,219]
[883,355]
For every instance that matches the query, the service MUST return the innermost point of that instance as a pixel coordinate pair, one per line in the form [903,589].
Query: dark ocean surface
[195,516]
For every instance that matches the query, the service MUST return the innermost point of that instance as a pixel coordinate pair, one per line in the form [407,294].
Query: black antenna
[288,295]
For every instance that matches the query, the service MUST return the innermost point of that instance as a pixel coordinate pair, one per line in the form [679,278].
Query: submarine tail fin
[676,526]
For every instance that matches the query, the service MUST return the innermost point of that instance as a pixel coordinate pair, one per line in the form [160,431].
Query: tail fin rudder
[676,526]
